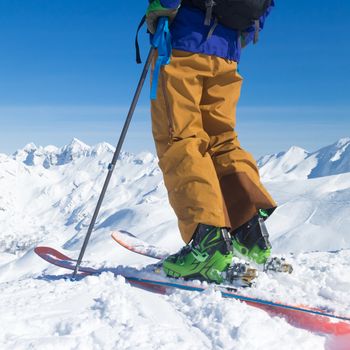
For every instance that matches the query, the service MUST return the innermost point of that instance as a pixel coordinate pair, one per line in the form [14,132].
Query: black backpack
[235,14]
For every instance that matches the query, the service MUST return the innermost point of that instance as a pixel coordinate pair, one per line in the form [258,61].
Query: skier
[213,184]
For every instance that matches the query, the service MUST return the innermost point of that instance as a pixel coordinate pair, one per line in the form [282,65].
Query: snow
[297,163]
[47,197]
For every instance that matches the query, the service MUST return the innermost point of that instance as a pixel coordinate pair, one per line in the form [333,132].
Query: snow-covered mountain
[47,197]
[49,156]
[50,193]
[298,163]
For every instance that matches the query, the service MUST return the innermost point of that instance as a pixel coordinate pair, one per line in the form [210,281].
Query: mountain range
[297,163]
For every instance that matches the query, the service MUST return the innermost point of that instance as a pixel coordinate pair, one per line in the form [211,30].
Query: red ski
[310,319]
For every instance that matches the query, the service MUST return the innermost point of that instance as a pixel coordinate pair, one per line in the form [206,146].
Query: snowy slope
[47,196]
[297,163]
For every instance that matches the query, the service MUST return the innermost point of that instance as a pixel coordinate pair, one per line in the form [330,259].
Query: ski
[307,318]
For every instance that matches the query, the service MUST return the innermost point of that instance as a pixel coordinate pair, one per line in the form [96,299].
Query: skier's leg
[239,177]
[247,201]
[181,142]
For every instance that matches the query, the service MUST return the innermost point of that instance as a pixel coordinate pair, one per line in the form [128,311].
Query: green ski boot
[251,242]
[205,258]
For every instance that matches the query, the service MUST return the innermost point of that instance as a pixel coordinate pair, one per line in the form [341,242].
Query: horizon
[77,140]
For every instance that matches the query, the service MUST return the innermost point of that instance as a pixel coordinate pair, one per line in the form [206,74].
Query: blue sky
[67,69]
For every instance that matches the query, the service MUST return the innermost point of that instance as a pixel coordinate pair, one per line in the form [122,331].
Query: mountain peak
[75,149]
[102,147]
[77,145]
[30,147]
[345,141]
[296,153]
[296,149]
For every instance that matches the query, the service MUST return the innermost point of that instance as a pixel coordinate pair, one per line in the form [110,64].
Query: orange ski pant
[210,179]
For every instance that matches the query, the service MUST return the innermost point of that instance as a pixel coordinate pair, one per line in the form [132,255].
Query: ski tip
[44,251]
[117,234]
[119,237]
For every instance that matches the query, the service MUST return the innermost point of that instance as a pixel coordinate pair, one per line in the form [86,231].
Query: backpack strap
[209,4]
[161,40]
[211,31]
[257,31]
[137,46]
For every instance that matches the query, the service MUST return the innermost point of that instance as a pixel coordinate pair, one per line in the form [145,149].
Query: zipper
[168,110]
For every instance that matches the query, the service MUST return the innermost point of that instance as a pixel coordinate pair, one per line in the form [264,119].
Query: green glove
[156,10]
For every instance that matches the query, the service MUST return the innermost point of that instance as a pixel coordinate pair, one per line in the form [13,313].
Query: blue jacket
[190,34]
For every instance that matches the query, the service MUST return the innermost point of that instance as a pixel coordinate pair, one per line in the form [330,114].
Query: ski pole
[111,166]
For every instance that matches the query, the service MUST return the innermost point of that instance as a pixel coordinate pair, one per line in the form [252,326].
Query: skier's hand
[156,10]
